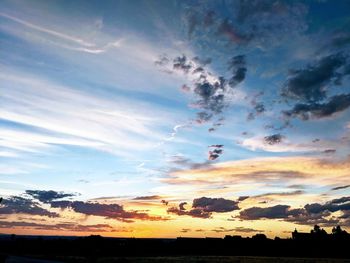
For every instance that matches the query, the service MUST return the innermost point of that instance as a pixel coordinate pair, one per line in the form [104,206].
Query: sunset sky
[174,118]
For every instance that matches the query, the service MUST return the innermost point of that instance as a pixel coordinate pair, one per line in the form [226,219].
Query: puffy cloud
[308,84]
[182,63]
[193,212]
[20,205]
[310,214]
[47,196]
[218,205]
[182,206]
[212,90]
[204,207]
[242,198]
[254,213]
[273,139]
[335,104]
[216,152]
[113,211]
[238,66]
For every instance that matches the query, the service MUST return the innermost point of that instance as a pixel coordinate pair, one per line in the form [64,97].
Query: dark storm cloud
[47,196]
[113,211]
[238,67]
[309,84]
[335,104]
[310,214]
[273,139]
[204,207]
[340,187]
[20,205]
[61,227]
[273,212]
[218,205]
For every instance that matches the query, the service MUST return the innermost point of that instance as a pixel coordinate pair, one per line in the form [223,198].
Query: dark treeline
[316,244]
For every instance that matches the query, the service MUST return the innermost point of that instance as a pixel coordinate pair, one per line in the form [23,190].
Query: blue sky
[114,100]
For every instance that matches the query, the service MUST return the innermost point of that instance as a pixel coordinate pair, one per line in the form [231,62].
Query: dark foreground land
[190,259]
[316,246]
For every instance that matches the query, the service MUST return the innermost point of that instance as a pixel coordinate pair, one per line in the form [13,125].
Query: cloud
[308,84]
[193,212]
[20,205]
[228,30]
[340,187]
[279,194]
[217,205]
[182,205]
[310,214]
[254,213]
[261,171]
[238,66]
[74,227]
[79,43]
[214,92]
[247,230]
[329,151]
[112,211]
[47,196]
[273,139]
[216,152]
[236,229]
[204,207]
[335,104]
[259,24]
[242,198]
[117,129]
[147,197]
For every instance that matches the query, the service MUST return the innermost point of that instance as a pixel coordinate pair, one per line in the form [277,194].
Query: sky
[174,118]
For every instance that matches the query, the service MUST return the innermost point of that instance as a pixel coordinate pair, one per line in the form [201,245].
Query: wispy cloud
[107,124]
